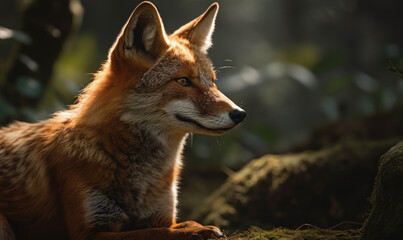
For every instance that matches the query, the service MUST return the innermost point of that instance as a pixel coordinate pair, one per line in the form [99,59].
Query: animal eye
[184,82]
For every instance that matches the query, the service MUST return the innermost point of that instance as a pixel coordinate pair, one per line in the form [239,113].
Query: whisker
[226,67]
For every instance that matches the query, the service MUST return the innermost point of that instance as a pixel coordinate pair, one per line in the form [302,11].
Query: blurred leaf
[330,108]
[81,57]
[337,85]
[306,55]
[365,82]
[29,87]
[29,62]
[329,61]
[71,72]
[6,33]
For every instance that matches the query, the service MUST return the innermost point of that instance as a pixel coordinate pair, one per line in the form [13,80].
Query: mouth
[189,120]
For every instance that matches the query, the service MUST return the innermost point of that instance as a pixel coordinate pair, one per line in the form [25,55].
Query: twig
[331,228]
[396,70]
[345,222]
[307,225]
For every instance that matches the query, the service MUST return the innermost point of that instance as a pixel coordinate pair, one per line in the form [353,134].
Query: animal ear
[200,30]
[143,35]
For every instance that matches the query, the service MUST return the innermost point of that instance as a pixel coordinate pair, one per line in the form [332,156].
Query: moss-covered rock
[386,218]
[321,187]
[255,233]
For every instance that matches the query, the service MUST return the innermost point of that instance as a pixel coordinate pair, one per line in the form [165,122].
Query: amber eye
[184,82]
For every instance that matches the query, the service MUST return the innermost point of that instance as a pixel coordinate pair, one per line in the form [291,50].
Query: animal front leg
[81,222]
[182,231]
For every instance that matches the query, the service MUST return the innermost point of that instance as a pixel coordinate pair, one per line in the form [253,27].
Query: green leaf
[337,84]
[29,87]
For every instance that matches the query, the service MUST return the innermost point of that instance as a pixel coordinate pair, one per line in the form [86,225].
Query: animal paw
[207,232]
[198,231]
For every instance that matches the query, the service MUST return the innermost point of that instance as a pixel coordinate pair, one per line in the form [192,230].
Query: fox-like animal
[107,168]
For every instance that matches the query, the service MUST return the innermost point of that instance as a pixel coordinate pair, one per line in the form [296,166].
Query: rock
[322,188]
[386,217]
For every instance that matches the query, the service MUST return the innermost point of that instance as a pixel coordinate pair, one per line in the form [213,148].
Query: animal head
[167,81]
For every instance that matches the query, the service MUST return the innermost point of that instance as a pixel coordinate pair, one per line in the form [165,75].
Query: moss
[255,233]
[322,187]
[386,217]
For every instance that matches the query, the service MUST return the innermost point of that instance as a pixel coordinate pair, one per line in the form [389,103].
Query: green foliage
[329,61]
[29,87]
[337,84]
[306,55]
[71,72]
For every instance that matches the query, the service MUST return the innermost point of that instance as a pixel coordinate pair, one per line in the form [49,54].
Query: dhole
[107,167]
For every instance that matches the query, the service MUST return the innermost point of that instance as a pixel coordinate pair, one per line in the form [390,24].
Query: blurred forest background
[294,66]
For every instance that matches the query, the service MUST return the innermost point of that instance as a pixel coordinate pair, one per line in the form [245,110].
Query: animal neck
[102,107]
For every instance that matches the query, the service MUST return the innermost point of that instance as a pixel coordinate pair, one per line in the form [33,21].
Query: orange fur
[107,168]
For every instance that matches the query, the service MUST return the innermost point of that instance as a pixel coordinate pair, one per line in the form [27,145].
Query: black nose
[237,115]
